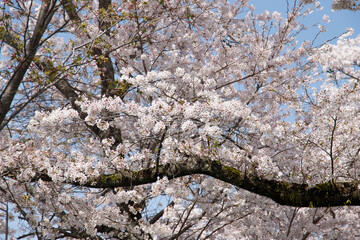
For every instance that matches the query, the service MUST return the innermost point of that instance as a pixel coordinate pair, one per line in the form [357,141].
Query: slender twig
[161,213]
[331,146]
[291,221]
[159,152]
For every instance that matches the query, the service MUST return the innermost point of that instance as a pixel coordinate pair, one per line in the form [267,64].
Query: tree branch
[325,194]
[161,213]
[104,63]
[7,96]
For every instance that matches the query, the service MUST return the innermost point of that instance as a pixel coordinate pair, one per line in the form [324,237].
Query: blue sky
[339,20]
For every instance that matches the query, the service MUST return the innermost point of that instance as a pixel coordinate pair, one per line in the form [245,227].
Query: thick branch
[104,63]
[46,12]
[326,194]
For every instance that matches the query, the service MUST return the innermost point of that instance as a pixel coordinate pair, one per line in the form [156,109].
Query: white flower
[211,131]
[349,32]
[102,125]
[159,126]
[326,18]
[179,72]
[322,28]
[64,198]
[188,126]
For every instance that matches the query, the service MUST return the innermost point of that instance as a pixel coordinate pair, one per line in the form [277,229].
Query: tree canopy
[176,119]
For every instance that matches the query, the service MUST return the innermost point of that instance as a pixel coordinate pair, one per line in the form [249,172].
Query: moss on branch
[325,194]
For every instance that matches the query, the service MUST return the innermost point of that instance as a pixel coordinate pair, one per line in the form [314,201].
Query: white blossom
[177,119]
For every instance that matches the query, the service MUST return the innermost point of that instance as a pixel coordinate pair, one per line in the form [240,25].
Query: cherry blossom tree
[176,119]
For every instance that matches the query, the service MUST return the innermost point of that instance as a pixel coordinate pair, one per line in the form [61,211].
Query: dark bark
[47,11]
[103,61]
[327,194]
